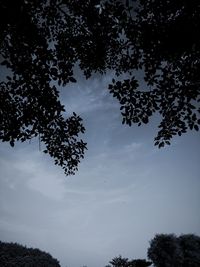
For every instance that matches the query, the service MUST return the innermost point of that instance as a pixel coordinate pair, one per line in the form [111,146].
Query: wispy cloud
[90,96]
[35,171]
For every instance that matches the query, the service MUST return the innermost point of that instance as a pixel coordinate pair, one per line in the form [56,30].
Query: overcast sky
[126,190]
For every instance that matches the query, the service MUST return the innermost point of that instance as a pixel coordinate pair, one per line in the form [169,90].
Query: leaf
[196,127]
[161,145]
[12,143]
[72,79]
[5,62]
[145,120]
[191,126]
[128,122]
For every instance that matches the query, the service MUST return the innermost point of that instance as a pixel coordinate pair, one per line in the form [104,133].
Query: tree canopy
[13,254]
[125,262]
[168,250]
[42,41]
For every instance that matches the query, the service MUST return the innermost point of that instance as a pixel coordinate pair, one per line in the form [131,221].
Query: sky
[126,190]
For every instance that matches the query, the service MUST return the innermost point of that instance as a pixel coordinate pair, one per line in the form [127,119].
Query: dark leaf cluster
[15,255]
[168,250]
[125,262]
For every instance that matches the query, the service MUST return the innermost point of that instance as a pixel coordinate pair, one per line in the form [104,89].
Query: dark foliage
[125,262]
[167,250]
[13,254]
[139,263]
[119,261]
[41,41]
[190,246]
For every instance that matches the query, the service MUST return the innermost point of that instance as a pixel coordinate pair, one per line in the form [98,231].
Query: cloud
[48,184]
[90,96]
[36,171]
[132,147]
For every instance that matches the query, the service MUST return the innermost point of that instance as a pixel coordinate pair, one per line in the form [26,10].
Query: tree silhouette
[13,254]
[139,263]
[167,250]
[164,251]
[125,262]
[190,245]
[119,261]
[41,41]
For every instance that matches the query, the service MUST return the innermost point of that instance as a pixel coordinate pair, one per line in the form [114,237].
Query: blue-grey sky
[126,190]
